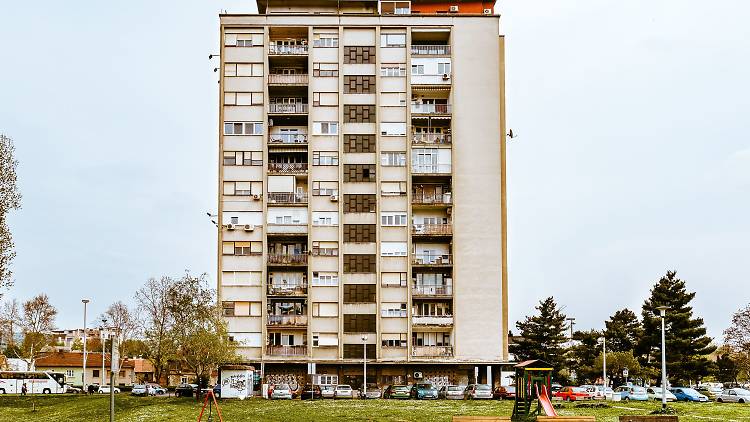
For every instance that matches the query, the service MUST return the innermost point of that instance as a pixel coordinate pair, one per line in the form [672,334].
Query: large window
[325,69]
[325,218]
[393,218]
[393,310]
[243,188]
[393,159]
[326,40]
[322,278]
[325,309]
[393,279]
[392,129]
[325,188]
[243,128]
[325,128]
[243,158]
[392,70]
[393,339]
[393,40]
[325,158]
[242,248]
[243,69]
[243,98]
[392,248]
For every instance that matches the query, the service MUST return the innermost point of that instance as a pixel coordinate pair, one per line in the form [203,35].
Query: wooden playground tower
[533,382]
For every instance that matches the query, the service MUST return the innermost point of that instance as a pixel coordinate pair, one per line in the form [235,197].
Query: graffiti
[235,382]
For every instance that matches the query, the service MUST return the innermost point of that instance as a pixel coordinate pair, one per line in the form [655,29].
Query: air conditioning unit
[230,226]
[256,197]
[446,76]
[334,198]
[418,375]
[453,9]
[487,11]
[249,227]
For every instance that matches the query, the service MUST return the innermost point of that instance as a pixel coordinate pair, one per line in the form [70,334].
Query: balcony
[431,50]
[288,138]
[286,79]
[287,259]
[286,350]
[423,259]
[279,289]
[287,320]
[287,108]
[287,168]
[431,229]
[430,168]
[431,199]
[431,138]
[431,290]
[287,50]
[432,351]
[432,320]
[431,109]
[287,198]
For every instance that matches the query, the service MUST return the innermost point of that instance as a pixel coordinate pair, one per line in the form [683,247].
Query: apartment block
[362,191]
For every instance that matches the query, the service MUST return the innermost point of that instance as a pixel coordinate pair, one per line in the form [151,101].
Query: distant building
[71,364]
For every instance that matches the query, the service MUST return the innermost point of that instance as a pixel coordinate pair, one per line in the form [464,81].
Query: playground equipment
[533,379]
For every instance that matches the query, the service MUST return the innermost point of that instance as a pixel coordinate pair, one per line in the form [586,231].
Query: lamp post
[603,341]
[104,350]
[83,380]
[662,314]
[364,359]
[571,320]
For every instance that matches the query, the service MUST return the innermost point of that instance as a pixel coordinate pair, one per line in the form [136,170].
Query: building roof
[263,4]
[62,359]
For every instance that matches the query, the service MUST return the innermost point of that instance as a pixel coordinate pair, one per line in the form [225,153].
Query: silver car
[139,390]
[327,391]
[343,391]
[452,392]
[281,391]
[478,391]
[734,395]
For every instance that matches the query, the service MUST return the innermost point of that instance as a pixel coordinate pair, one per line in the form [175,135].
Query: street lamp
[571,320]
[83,381]
[603,341]
[662,314]
[364,359]
[104,349]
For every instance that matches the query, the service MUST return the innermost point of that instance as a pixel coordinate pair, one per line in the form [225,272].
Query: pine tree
[582,355]
[623,331]
[542,336]
[686,340]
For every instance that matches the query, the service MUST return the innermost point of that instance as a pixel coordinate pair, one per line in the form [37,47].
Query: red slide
[544,401]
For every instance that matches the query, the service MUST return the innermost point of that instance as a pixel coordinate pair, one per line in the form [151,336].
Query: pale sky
[633,156]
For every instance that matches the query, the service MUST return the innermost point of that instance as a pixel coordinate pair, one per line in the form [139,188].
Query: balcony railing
[287,198]
[429,259]
[430,168]
[431,138]
[287,259]
[287,108]
[287,49]
[288,320]
[434,199]
[278,289]
[431,50]
[286,350]
[431,108]
[287,138]
[287,167]
[278,78]
[427,290]
[432,351]
[432,320]
[431,229]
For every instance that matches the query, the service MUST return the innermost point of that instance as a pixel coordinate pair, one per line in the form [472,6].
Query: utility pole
[663,314]
[114,368]
[364,359]
[571,320]
[83,381]
[104,351]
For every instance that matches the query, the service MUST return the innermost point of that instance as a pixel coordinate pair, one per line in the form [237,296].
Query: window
[325,69]
[392,248]
[393,159]
[322,99]
[227,308]
[325,248]
[392,70]
[243,98]
[393,339]
[240,278]
[325,158]
[96,373]
[393,40]
[392,129]
[444,68]
[242,248]
[393,310]
[393,188]
[325,188]
[243,188]
[69,373]
[326,40]
[243,69]
[430,339]
[393,99]
[321,278]
[325,128]
[417,69]
[322,340]
[393,219]
[393,279]
[255,309]
[243,158]
[243,40]
[325,309]
[243,128]
[325,218]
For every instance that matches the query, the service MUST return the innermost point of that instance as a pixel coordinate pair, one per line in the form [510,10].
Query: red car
[504,393]
[573,394]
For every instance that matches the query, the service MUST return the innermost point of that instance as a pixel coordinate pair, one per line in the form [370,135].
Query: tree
[199,328]
[157,323]
[686,341]
[616,363]
[10,321]
[77,344]
[727,369]
[583,353]
[737,338]
[542,336]
[623,331]
[37,322]
[121,320]
[10,199]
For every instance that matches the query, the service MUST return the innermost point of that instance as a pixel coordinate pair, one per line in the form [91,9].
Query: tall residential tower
[361,190]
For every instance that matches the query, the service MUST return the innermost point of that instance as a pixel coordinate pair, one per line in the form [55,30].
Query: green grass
[72,408]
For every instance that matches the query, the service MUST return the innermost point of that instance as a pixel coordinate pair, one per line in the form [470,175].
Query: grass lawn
[72,408]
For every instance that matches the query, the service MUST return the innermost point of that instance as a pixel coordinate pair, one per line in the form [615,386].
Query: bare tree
[37,322]
[10,199]
[121,320]
[737,337]
[10,320]
[156,323]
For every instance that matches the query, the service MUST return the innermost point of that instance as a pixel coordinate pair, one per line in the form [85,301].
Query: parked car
[343,391]
[654,393]
[477,392]
[156,389]
[423,391]
[734,395]
[310,392]
[709,391]
[185,390]
[139,390]
[573,394]
[504,393]
[603,393]
[398,392]
[452,392]
[281,392]
[688,394]
[217,390]
[555,387]
[71,389]
[373,392]
[104,389]
[632,392]
[327,391]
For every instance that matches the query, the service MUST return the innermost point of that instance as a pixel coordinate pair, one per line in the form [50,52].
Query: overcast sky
[633,156]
